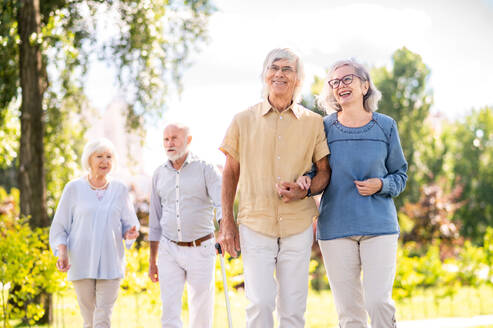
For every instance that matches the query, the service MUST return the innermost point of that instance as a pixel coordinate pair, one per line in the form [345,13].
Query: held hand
[304,182]
[290,191]
[368,187]
[229,237]
[153,272]
[132,233]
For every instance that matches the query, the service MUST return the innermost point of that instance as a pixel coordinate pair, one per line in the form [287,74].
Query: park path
[481,320]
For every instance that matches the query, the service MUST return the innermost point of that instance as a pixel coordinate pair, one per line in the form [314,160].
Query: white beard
[178,154]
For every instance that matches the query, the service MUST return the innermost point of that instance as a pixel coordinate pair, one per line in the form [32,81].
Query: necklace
[97,188]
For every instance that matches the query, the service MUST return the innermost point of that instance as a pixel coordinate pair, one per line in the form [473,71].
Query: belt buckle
[194,245]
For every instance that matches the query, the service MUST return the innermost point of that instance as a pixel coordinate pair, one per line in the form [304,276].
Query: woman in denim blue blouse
[357,228]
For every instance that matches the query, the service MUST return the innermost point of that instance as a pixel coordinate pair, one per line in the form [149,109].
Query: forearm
[153,252]
[62,250]
[322,177]
[228,192]
[320,181]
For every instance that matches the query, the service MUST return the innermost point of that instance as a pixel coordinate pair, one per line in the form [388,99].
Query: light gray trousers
[374,256]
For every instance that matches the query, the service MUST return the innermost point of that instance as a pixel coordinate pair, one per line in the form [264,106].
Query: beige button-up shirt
[272,147]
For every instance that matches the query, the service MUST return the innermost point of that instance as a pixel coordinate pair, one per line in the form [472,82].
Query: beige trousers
[286,291]
[345,259]
[96,298]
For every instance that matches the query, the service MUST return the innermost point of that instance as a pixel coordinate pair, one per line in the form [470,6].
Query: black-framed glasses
[346,80]
[284,69]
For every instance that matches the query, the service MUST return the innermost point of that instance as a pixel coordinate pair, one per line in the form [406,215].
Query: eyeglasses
[346,80]
[284,69]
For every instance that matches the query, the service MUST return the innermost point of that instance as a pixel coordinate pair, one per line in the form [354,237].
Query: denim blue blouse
[370,151]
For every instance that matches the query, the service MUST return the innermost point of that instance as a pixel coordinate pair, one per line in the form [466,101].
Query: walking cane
[225,285]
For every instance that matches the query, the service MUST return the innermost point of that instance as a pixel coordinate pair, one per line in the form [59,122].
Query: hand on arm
[131,233]
[290,191]
[368,187]
[229,237]
[153,270]
[62,263]
[304,182]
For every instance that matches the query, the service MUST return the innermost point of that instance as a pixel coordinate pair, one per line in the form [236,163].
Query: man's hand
[132,233]
[62,264]
[229,237]
[153,272]
[368,187]
[290,191]
[304,182]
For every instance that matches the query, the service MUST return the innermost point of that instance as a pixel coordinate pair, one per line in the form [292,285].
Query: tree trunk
[33,85]
[31,167]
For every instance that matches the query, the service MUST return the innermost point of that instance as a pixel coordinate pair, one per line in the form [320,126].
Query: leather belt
[194,243]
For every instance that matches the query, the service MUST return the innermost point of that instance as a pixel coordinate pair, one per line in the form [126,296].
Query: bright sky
[454,38]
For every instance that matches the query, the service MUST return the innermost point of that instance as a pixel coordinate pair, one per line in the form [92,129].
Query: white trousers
[194,265]
[345,259]
[96,298]
[289,258]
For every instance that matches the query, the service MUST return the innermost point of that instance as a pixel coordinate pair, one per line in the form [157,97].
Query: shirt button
[280,219]
[278,157]
[278,178]
[280,117]
[279,137]
[179,229]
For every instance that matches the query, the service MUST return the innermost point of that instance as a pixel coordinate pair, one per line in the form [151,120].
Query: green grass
[144,310]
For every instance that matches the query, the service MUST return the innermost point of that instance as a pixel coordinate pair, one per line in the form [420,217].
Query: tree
[44,52]
[406,98]
[473,168]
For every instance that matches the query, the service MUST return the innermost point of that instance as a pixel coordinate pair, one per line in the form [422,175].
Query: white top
[93,229]
[182,201]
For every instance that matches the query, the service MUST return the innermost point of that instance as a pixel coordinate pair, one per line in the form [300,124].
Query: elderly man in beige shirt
[274,142]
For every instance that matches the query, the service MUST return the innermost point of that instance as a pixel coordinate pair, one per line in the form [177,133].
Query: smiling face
[352,93]
[175,142]
[101,162]
[281,78]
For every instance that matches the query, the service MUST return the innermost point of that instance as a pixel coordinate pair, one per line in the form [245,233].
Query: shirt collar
[266,107]
[190,158]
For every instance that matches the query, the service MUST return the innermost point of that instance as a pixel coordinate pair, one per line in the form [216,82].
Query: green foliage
[27,266]
[406,98]
[473,168]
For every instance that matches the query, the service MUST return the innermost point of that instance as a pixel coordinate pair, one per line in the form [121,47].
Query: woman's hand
[304,182]
[368,187]
[132,233]
[62,263]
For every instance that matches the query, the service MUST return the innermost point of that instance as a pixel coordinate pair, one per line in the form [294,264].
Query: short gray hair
[181,126]
[370,101]
[97,145]
[279,54]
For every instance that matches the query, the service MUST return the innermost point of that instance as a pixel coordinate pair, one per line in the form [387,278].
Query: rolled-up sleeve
[62,221]
[213,184]
[230,144]
[321,148]
[155,210]
[395,181]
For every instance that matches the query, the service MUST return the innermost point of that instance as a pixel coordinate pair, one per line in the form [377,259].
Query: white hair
[97,145]
[180,126]
[327,100]
[279,54]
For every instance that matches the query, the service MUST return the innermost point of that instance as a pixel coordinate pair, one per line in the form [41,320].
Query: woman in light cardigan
[93,217]
[357,228]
